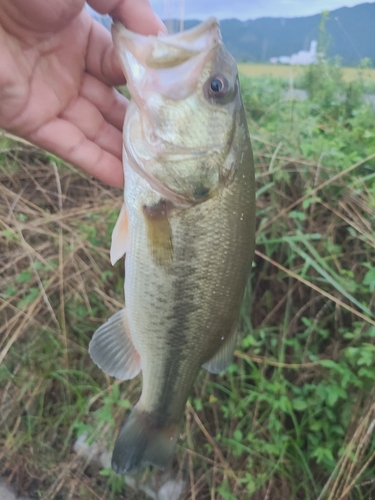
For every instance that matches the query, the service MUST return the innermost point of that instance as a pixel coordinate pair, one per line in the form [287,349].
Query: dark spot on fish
[200,192]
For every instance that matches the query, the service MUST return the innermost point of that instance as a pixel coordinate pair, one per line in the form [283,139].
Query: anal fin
[224,356]
[112,348]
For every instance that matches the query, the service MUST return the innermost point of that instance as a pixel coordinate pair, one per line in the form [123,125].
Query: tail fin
[142,441]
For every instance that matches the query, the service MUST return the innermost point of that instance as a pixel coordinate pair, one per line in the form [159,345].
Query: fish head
[180,129]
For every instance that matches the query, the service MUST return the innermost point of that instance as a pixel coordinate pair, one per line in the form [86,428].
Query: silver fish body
[187,228]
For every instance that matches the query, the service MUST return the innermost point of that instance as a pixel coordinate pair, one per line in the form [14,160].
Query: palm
[56,84]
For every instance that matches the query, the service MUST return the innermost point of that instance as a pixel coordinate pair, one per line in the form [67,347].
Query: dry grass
[49,269]
[56,285]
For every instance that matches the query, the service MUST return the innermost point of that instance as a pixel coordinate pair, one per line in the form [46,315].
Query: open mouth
[167,64]
[167,51]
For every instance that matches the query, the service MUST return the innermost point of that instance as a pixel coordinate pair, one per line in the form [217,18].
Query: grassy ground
[284,71]
[293,417]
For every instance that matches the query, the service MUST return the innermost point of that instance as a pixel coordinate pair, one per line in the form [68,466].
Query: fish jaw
[176,133]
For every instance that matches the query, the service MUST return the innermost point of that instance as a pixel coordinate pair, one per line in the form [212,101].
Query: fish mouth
[167,64]
[167,51]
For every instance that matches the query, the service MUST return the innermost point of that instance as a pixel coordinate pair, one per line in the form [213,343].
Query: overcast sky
[246,9]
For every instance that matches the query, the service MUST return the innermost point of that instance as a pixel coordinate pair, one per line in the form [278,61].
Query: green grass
[253,70]
[292,418]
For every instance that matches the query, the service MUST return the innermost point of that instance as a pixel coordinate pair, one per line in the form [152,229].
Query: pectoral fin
[159,233]
[112,348]
[120,236]
[224,357]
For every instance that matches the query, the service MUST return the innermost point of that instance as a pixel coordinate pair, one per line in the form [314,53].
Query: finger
[111,104]
[101,59]
[136,15]
[88,119]
[78,149]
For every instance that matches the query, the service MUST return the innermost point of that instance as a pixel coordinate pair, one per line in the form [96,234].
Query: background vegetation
[293,73]
[293,417]
[351,30]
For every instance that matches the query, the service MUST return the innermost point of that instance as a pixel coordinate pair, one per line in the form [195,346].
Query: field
[293,418]
[292,72]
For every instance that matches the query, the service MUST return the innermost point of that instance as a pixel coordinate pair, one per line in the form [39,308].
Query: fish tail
[142,440]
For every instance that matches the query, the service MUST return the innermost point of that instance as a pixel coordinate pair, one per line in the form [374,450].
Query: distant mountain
[352,31]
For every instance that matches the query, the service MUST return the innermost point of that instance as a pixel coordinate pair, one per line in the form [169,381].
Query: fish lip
[196,31]
[177,39]
[153,51]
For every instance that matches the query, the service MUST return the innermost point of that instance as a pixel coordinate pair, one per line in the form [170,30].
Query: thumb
[136,15]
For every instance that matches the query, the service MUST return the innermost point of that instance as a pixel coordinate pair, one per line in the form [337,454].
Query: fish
[186,228]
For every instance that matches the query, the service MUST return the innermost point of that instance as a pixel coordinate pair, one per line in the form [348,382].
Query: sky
[245,9]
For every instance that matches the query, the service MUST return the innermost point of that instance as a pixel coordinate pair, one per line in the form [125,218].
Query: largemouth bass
[187,228]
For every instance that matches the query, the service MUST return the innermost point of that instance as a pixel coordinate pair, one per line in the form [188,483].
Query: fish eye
[218,87]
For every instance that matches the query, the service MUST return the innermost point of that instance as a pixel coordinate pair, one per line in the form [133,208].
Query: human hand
[57,69]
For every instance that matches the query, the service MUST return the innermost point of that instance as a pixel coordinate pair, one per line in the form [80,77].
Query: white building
[302,57]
